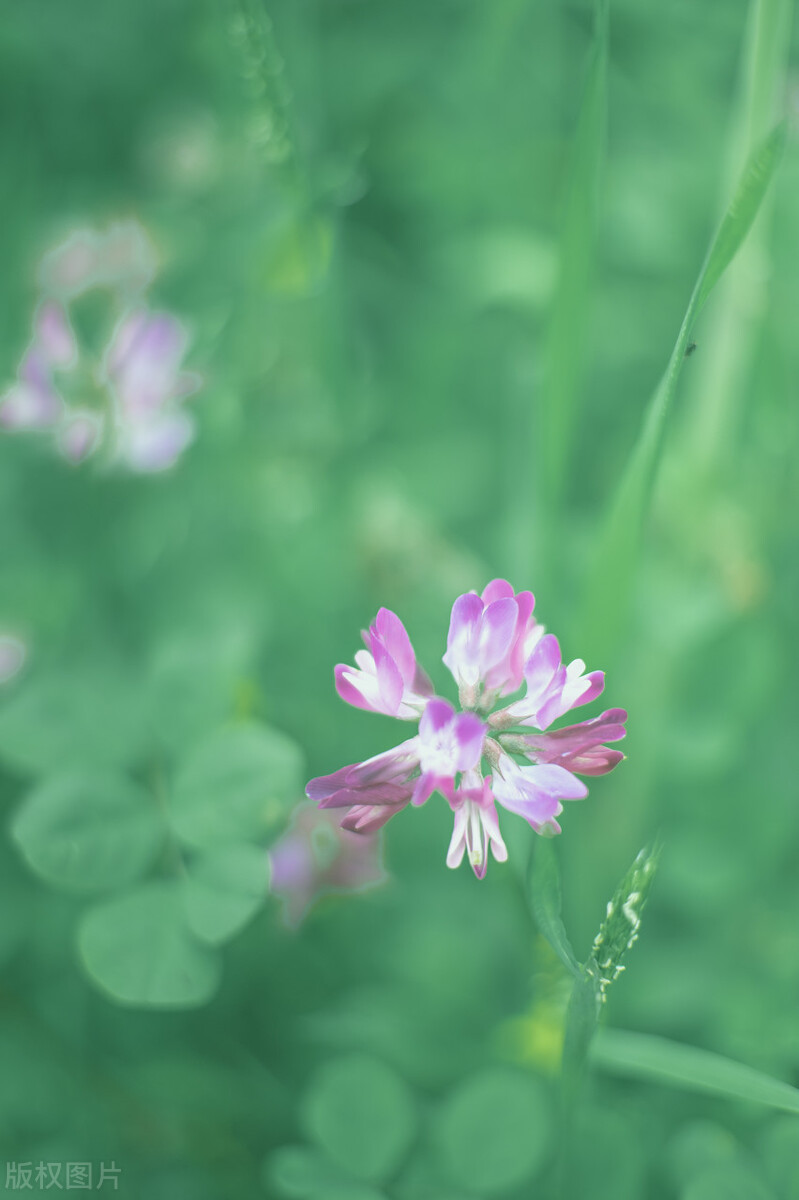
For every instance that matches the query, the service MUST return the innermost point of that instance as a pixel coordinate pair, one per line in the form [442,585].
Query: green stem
[582,1017]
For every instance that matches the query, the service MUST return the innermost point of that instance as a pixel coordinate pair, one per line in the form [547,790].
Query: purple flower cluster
[129,401]
[495,648]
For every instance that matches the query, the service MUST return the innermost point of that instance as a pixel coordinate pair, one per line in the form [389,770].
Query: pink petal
[53,335]
[364,819]
[542,665]
[463,624]
[389,680]
[497,628]
[394,637]
[497,589]
[79,435]
[348,690]
[557,781]
[597,679]
[437,714]
[426,784]
[469,733]
[597,760]
[457,845]
[156,444]
[607,727]
[381,794]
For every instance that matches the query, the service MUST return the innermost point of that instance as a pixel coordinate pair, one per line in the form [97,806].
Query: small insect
[689,349]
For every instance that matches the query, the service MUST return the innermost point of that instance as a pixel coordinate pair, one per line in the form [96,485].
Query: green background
[430,303]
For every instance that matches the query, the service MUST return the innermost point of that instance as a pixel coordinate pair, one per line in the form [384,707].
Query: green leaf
[223,889]
[347,1191]
[302,1172]
[619,930]
[728,1182]
[543,892]
[238,785]
[698,1145]
[88,831]
[643,1056]
[493,1133]
[362,1115]
[138,949]
[609,589]
[75,718]
[780,1151]
[737,222]
[298,1171]
[190,690]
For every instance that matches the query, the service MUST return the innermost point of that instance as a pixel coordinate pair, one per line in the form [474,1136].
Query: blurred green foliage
[366,213]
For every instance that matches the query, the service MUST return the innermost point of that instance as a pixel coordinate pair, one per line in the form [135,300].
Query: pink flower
[34,402]
[122,259]
[449,743]
[535,792]
[79,434]
[315,857]
[490,636]
[373,791]
[576,747]
[387,678]
[476,825]
[552,688]
[139,385]
[494,645]
[53,336]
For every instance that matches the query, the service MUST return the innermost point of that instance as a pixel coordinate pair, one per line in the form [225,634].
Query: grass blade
[543,892]
[719,381]
[738,219]
[642,1056]
[568,329]
[609,589]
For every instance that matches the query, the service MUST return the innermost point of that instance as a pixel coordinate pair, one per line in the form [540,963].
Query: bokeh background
[362,212]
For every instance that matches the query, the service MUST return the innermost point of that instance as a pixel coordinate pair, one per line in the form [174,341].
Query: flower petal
[393,635]
[469,732]
[436,716]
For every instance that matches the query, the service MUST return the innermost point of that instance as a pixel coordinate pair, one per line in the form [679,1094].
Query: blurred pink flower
[316,856]
[122,258]
[138,387]
[494,646]
[143,371]
[79,434]
[33,401]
